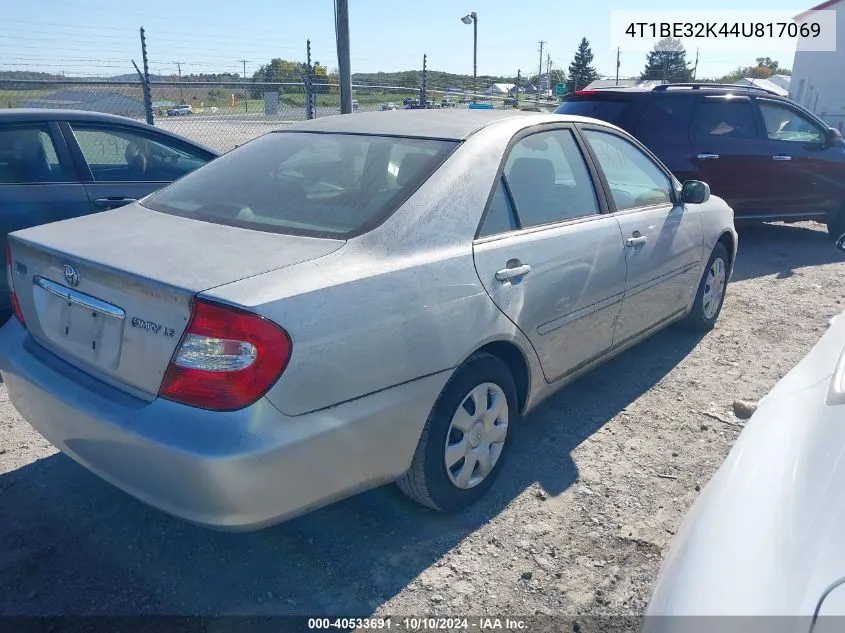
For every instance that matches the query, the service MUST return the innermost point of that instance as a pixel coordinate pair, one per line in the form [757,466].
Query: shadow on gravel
[779,249]
[71,544]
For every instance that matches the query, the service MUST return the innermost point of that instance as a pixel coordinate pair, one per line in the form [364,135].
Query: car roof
[681,88]
[442,124]
[40,115]
[28,115]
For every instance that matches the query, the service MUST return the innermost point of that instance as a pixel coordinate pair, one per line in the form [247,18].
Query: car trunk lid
[112,293]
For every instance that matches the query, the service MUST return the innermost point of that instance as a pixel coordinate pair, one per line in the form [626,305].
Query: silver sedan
[349,302]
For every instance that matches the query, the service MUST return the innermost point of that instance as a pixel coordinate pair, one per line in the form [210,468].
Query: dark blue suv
[767,157]
[60,164]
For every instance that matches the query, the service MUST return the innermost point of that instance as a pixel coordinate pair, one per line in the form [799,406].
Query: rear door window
[549,180]
[322,185]
[28,156]
[724,117]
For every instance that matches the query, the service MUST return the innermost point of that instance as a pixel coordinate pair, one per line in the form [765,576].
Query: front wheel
[466,437]
[711,291]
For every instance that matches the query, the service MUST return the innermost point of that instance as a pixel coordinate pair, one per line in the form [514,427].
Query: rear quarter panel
[396,304]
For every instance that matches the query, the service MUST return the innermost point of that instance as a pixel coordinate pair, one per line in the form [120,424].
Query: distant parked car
[768,157]
[468,267]
[59,164]
[448,102]
[181,110]
[766,536]
[389,106]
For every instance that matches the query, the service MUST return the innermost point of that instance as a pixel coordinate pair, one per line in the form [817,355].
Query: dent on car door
[662,238]
[807,175]
[124,164]
[548,257]
[38,182]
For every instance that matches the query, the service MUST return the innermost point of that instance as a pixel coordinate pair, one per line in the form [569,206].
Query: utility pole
[518,85]
[343,62]
[540,72]
[695,68]
[309,88]
[145,80]
[423,99]
[246,91]
[179,68]
[617,65]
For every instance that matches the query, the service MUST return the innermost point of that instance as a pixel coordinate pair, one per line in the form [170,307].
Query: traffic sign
[560,90]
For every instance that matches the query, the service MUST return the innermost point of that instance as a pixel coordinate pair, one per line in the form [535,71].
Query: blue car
[60,164]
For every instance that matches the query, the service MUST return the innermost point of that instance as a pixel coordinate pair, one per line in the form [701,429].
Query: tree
[581,71]
[765,68]
[668,62]
[277,70]
[769,63]
[556,76]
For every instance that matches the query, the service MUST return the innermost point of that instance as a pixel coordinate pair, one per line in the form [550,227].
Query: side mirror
[840,243]
[833,136]
[695,192]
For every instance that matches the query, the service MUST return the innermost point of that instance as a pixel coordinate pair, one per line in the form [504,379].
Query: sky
[100,37]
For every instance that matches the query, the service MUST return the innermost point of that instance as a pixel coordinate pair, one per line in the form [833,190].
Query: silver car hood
[767,534]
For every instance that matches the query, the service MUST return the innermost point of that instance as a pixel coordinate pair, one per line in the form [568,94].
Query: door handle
[781,157]
[512,273]
[636,241]
[108,203]
[706,156]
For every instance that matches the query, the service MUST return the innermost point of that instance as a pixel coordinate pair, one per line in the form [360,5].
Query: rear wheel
[711,291]
[836,224]
[466,437]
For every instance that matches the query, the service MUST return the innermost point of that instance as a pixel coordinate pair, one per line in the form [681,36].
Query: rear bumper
[238,470]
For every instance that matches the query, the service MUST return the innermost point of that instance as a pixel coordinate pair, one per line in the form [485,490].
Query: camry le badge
[71,275]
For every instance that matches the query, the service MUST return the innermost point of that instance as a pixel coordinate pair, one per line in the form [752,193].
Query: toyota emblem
[71,275]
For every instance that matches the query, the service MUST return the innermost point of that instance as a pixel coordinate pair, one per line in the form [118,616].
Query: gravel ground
[578,523]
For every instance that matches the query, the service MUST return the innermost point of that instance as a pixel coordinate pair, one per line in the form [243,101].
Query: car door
[123,164]
[731,155]
[548,256]
[38,182]
[807,175]
[663,239]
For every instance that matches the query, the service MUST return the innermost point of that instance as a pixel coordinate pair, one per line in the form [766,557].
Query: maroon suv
[767,157]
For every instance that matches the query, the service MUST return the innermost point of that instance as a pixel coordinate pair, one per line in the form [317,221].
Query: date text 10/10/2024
[419,624]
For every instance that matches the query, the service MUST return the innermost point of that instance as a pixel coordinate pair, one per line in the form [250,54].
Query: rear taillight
[10,278]
[227,359]
[586,92]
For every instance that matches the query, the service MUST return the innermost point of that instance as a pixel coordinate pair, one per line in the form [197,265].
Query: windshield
[321,185]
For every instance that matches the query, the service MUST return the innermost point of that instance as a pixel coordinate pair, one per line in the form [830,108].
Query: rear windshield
[607,110]
[321,185]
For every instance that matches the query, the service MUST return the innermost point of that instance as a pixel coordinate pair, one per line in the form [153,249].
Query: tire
[429,481]
[704,313]
[836,225]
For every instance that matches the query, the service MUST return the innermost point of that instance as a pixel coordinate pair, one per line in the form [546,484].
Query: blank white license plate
[83,326]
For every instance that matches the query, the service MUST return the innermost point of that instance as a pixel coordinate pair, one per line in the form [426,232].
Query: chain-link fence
[225,115]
